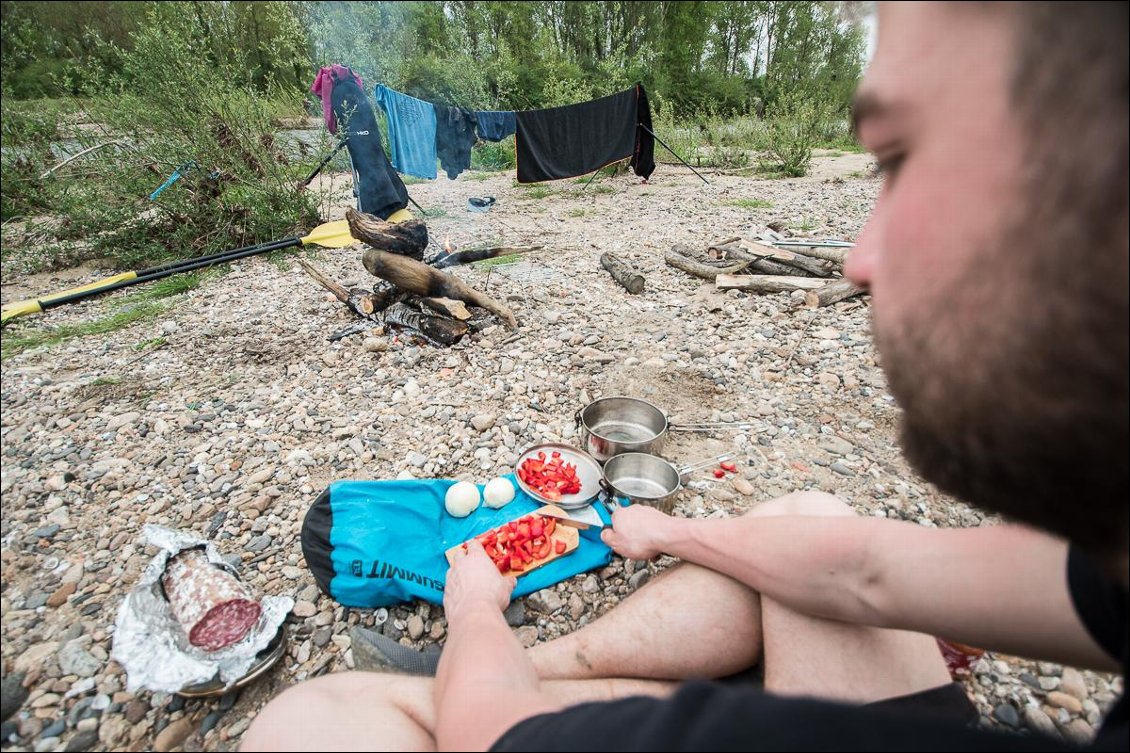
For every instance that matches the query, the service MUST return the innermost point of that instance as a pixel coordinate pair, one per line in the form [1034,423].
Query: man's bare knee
[298,717]
[804,503]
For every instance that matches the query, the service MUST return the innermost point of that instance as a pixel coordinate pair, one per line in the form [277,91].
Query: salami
[214,608]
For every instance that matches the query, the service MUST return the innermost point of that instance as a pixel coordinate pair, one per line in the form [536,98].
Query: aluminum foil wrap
[152,646]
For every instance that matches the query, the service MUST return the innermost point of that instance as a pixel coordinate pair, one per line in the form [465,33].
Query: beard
[1014,379]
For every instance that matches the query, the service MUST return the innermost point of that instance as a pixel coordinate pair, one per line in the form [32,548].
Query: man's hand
[637,532]
[474,582]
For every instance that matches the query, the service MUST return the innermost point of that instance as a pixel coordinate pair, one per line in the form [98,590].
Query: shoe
[373,652]
[480,204]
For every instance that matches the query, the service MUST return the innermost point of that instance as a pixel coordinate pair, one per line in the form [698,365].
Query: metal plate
[588,471]
[266,659]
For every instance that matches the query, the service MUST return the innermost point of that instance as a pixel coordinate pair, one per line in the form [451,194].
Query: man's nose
[861,259]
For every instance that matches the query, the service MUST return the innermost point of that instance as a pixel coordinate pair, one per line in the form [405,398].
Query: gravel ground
[234,423]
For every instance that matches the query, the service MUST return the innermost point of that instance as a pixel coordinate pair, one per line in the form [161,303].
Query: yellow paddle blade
[331,235]
[34,306]
[336,234]
[19,309]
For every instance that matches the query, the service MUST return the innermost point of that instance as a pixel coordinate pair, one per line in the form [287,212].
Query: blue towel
[495,125]
[378,543]
[411,132]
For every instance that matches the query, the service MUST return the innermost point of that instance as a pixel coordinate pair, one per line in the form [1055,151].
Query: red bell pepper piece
[559,546]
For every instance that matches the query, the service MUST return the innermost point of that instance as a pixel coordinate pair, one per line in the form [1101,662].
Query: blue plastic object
[378,543]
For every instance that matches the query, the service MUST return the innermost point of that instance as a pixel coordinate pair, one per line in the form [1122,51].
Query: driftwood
[622,272]
[834,255]
[744,250]
[678,258]
[417,277]
[360,302]
[480,254]
[439,329]
[448,307]
[766,283]
[408,238]
[831,293]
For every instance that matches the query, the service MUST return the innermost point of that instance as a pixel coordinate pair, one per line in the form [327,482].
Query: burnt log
[435,328]
[417,277]
[479,254]
[408,238]
[623,273]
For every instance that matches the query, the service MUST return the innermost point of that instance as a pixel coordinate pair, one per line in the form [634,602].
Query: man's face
[1004,348]
[933,108]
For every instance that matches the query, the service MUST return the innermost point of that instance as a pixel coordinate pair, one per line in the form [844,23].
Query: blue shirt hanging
[411,132]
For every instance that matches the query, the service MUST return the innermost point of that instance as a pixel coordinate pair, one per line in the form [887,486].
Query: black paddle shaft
[171,269]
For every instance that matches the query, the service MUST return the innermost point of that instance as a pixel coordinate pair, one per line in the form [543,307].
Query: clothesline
[550,144]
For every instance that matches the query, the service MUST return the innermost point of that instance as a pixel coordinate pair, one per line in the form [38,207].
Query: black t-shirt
[714,716]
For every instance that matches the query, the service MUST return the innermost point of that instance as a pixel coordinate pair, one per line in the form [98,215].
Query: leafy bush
[494,156]
[175,103]
[793,130]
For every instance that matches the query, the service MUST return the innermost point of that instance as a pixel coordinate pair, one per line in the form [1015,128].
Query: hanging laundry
[411,132]
[564,142]
[323,86]
[495,125]
[379,190]
[455,135]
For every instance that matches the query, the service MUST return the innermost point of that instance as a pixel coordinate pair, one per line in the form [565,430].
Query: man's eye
[889,165]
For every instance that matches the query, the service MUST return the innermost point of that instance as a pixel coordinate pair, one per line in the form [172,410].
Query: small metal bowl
[588,471]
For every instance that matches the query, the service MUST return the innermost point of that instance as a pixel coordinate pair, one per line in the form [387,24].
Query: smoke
[372,38]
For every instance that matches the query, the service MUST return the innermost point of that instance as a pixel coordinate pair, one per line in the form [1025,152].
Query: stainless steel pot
[612,426]
[648,479]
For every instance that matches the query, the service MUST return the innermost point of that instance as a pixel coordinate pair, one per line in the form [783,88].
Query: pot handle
[577,418]
[708,427]
[607,496]
[684,470]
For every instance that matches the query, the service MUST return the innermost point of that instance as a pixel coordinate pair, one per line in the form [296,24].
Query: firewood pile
[413,294]
[740,264]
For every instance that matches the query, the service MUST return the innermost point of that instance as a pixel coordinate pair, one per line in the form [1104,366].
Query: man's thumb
[608,536]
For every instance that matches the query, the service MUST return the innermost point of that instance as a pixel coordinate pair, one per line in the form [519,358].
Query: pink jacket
[323,86]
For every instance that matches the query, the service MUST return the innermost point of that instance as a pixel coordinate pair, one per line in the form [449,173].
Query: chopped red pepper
[731,467]
[719,473]
[559,546]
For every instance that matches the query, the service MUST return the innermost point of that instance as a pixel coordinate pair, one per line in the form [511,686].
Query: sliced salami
[214,608]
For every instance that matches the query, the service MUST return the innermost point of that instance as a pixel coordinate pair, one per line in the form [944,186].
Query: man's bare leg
[689,622]
[370,711]
[696,623]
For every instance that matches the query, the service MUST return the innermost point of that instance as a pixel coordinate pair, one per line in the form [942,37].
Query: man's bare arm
[1000,587]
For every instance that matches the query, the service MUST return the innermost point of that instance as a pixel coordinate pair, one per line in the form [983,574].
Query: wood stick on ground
[480,254]
[744,250]
[834,255]
[623,273]
[448,307]
[417,277]
[833,292]
[360,302]
[408,238]
[766,283]
[678,258]
[436,328]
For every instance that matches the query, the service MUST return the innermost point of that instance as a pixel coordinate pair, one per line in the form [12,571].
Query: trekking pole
[696,172]
[324,162]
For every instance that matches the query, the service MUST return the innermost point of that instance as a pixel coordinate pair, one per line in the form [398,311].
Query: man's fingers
[608,536]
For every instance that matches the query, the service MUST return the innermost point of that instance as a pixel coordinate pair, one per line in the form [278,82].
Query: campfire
[414,294]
